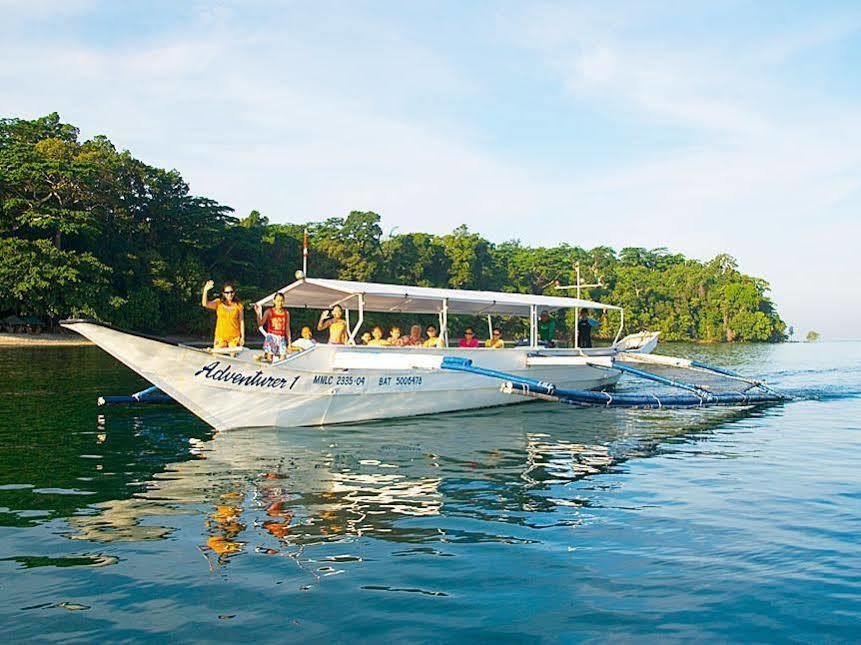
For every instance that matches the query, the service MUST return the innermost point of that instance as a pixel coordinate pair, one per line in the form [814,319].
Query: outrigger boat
[347,383]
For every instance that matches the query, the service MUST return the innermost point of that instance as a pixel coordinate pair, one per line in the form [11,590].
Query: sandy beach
[73,340]
[42,340]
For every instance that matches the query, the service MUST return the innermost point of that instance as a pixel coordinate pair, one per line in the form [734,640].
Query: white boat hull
[320,386]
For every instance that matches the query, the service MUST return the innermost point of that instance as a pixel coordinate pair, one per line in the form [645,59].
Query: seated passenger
[377,339]
[415,337]
[307,341]
[366,338]
[433,340]
[469,339]
[546,330]
[335,323]
[495,342]
[395,338]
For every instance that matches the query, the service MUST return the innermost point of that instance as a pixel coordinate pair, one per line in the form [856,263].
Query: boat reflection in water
[419,481]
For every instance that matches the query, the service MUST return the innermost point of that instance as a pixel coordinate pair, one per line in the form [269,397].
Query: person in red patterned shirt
[275,325]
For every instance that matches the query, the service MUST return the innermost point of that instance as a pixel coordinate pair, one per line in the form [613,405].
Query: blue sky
[706,128]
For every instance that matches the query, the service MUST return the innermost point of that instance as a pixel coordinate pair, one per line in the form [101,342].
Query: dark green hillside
[86,229]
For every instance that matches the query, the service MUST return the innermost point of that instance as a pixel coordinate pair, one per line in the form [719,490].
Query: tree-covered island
[87,230]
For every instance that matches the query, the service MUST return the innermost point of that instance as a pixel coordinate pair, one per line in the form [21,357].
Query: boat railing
[293,357]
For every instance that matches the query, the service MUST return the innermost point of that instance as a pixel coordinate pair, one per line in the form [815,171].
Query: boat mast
[305,253]
[578,285]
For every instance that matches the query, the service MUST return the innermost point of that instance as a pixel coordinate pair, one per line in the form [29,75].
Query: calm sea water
[511,524]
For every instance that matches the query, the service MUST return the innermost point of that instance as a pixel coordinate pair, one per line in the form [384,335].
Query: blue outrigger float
[752,392]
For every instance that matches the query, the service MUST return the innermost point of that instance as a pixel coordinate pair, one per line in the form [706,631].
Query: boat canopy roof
[320,293]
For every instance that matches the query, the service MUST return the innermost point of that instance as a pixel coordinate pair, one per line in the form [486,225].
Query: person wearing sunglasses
[229,316]
[495,341]
[469,339]
[433,340]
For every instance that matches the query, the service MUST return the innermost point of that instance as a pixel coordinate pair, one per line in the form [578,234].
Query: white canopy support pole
[347,317]
[443,332]
[577,327]
[489,326]
[359,321]
[621,326]
[533,326]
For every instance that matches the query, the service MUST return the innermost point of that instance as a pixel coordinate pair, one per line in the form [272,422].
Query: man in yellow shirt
[495,342]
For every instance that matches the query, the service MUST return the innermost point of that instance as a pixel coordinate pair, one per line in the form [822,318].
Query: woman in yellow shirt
[495,342]
[336,325]
[433,340]
[229,316]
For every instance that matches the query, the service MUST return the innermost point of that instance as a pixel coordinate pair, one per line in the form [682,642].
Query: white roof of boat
[321,293]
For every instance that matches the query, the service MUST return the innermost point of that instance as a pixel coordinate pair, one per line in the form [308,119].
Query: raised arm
[204,296]
[262,318]
[323,323]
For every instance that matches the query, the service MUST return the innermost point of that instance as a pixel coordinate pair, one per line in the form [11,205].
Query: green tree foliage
[812,336]
[87,230]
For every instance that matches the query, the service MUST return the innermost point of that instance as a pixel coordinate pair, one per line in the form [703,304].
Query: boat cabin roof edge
[322,293]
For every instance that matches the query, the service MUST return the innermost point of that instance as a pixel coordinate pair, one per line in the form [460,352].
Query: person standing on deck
[275,324]
[336,325]
[584,329]
[547,329]
[229,319]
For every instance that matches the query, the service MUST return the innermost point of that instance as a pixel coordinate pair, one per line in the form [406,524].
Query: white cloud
[305,119]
